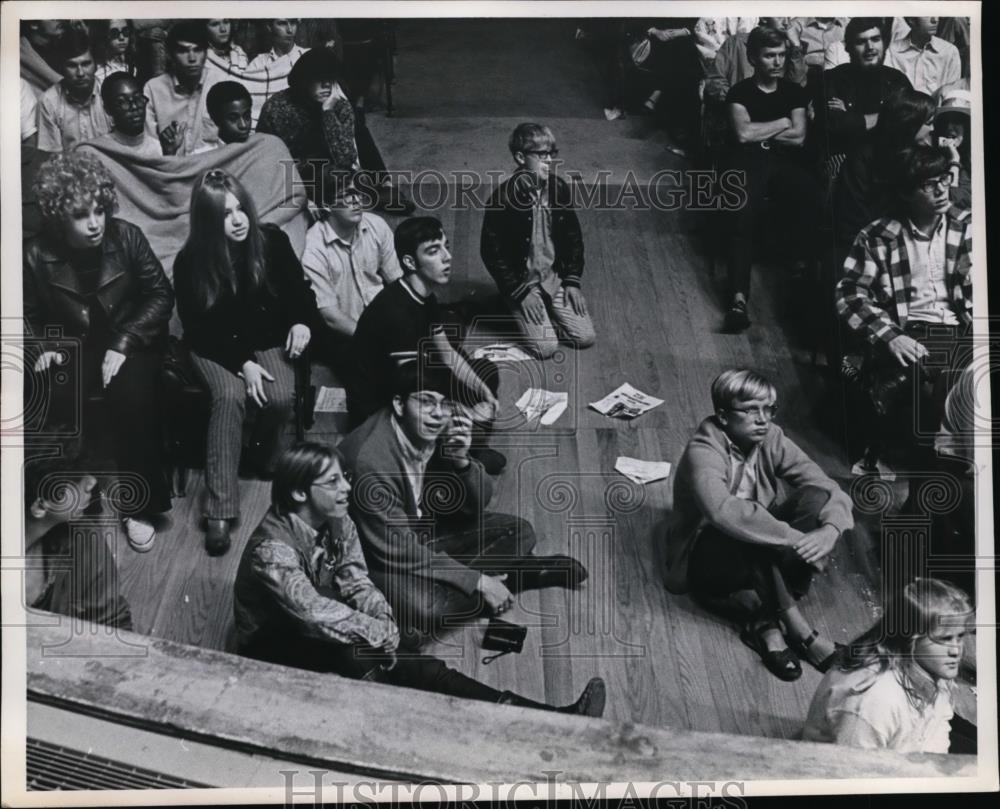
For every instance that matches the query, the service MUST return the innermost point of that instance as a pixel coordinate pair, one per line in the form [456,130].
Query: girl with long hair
[893,686]
[113,43]
[248,313]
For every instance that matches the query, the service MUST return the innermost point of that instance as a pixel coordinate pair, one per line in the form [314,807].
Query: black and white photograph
[495,402]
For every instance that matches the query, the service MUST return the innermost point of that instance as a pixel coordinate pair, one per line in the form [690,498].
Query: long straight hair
[208,246]
[913,612]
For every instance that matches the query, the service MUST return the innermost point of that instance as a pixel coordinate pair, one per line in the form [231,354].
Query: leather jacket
[506,237]
[132,289]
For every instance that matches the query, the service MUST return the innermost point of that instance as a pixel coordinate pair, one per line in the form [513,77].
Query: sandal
[784,664]
[802,648]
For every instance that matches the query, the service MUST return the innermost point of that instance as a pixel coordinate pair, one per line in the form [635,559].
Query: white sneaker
[139,533]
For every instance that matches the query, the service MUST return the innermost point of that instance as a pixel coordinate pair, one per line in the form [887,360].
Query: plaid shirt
[874,295]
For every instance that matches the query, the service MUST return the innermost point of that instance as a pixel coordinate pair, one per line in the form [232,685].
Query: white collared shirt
[743,472]
[63,123]
[169,101]
[346,276]
[936,65]
[262,60]
[930,302]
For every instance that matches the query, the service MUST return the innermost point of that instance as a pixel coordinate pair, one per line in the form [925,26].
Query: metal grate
[51,766]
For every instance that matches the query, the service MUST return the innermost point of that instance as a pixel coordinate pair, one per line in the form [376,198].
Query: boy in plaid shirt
[907,285]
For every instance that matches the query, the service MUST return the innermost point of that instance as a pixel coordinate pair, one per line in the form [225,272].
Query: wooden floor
[655,301]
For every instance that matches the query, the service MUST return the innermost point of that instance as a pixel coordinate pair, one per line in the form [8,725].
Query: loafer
[539,572]
[217,539]
[782,664]
[737,319]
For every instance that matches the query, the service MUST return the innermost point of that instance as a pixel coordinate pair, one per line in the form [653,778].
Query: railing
[358,727]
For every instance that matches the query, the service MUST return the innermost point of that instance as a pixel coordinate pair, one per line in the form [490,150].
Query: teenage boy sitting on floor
[405,321]
[533,247]
[349,258]
[420,503]
[730,533]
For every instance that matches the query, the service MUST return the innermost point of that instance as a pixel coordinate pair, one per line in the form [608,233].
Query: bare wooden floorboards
[666,662]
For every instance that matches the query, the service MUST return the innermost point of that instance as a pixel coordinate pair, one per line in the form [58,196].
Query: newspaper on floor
[331,400]
[626,403]
[642,471]
[501,352]
[544,405]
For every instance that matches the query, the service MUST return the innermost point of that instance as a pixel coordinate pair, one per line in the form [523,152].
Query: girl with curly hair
[97,304]
[893,685]
[247,312]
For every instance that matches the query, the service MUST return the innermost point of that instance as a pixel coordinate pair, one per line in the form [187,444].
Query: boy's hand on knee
[533,308]
[574,297]
[816,545]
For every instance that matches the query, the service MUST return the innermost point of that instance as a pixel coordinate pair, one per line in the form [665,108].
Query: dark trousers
[334,349]
[418,671]
[500,543]
[778,174]
[120,424]
[721,565]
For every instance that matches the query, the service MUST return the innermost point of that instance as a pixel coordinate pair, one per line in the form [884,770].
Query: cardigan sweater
[385,507]
[703,495]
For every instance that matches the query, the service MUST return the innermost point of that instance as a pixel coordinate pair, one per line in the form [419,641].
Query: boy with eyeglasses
[420,503]
[303,597]
[907,287]
[732,537]
[532,245]
[125,104]
[349,258]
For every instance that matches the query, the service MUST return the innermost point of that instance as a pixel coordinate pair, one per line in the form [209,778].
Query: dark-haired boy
[176,112]
[907,286]
[230,107]
[70,112]
[420,506]
[125,104]
[532,245]
[405,322]
[767,121]
[303,597]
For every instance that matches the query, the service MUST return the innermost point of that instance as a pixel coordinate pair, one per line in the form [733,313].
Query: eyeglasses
[128,102]
[430,403]
[767,412]
[932,185]
[552,154]
[114,33]
[336,482]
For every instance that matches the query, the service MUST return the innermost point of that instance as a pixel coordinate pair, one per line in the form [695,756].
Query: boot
[590,703]
[217,539]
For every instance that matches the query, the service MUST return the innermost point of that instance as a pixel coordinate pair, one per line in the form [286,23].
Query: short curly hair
[67,182]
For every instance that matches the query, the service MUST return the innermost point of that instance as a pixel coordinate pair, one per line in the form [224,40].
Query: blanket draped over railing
[155,192]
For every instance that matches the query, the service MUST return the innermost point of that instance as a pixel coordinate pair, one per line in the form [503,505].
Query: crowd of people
[857,130]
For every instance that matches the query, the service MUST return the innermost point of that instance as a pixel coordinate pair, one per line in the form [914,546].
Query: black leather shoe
[493,462]
[539,572]
[782,664]
[217,540]
[737,319]
[591,701]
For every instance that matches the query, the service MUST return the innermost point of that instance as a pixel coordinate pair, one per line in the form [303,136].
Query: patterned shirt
[937,64]
[316,580]
[816,36]
[346,276]
[262,60]
[113,66]
[63,123]
[235,57]
[876,291]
